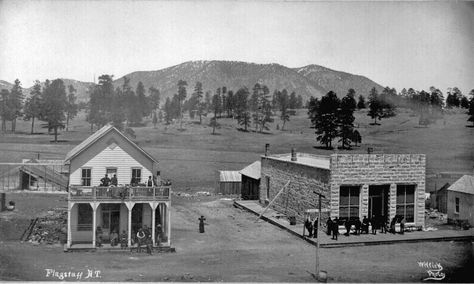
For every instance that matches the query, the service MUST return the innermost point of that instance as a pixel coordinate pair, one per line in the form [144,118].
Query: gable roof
[230,176]
[465,185]
[252,170]
[95,137]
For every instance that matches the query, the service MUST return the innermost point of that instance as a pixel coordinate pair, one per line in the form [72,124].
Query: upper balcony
[119,193]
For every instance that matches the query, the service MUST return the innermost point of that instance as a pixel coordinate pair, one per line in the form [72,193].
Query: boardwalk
[360,240]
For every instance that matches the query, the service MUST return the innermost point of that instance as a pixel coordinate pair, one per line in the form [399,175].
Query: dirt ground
[233,248]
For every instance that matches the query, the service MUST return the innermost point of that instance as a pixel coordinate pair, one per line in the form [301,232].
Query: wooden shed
[229,182]
[251,181]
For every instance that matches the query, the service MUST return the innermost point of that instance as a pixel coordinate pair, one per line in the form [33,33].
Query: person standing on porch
[113,180]
[105,181]
[123,240]
[98,237]
[141,238]
[309,226]
[315,228]
[335,228]
[150,182]
[329,226]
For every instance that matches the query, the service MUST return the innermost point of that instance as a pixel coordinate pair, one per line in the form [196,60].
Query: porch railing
[125,193]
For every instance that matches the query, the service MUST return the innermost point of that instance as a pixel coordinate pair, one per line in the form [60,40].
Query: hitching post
[319,235]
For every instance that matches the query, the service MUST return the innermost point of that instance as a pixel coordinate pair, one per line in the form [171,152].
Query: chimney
[293,155]
[267,148]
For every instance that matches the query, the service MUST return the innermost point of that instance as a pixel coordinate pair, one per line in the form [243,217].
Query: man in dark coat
[329,226]
[357,224]
[348,225]
[335,228]
[315,228]
[309,226]
[374,223]
[365,225]
[105,181]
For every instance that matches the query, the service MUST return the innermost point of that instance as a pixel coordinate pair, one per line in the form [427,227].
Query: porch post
[392,201]
[168,215]
[129,207]
[153,225]
[94,222]
[69,233]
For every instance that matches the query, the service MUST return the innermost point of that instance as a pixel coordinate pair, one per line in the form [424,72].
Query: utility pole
[319,235]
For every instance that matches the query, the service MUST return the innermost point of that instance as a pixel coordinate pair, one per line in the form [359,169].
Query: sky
[396,44]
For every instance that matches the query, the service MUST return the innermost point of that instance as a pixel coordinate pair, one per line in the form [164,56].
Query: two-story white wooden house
[123,208]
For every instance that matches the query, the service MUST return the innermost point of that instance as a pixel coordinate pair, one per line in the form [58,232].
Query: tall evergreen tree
[217,106]
[15,103]
[324,118]
[143,107]
[283,103]
[198,98]
[33,105]
[380,106]
[262,106]
[471,107]
[181,97]
[168,111]
[54,106]
[5,111]
[154,98]
[361,102]
[71,105]
[293,101]
[346,119]
[242,108]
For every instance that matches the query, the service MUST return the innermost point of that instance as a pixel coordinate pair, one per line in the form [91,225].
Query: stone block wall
[377,169]
[298,196]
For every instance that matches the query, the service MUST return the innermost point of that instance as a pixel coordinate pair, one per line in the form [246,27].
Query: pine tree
[71,106]
[283,102]
[168,111]
[324,118]
[54,106]
[181,97]
[471,107]
[217,106]
[143,108]
[32,107]
[5,111]
[198,99]
[15,103]
[361,102]
[346,119]
[242,107]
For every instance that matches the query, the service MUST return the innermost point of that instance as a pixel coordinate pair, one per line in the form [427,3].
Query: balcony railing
[124,193]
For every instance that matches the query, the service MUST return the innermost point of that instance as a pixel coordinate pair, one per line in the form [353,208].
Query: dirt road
[236,248]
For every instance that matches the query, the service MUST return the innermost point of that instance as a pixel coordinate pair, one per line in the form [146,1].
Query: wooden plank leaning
[281,190]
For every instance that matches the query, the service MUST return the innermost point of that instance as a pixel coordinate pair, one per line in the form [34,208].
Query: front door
[378,200]
[110,219]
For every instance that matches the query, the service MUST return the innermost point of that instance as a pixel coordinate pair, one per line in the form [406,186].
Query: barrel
[292,220]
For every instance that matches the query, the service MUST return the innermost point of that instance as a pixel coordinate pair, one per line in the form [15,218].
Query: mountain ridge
[310,80]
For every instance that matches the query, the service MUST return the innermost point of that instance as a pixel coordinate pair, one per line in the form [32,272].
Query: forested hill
[305,81]
[337,81]
[311,80]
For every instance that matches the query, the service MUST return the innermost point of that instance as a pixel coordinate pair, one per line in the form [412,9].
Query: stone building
[353,185]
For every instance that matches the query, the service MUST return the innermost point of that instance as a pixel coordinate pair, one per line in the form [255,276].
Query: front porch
[95,223]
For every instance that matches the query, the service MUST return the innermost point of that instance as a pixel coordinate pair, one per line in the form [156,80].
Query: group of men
[106,181]
[143,238]
[312,227]
[363,226]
